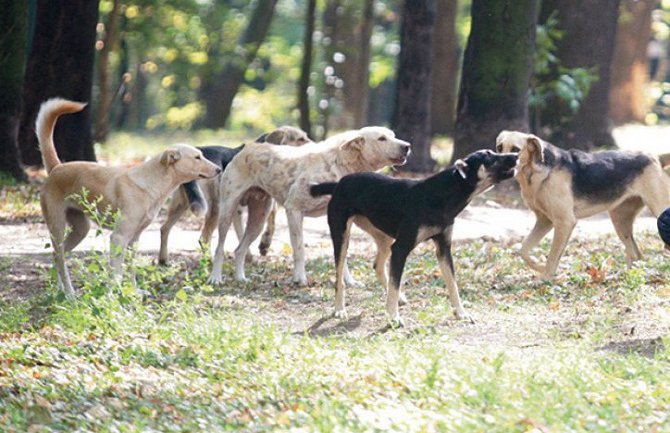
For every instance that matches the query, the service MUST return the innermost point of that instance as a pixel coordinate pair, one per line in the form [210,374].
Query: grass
[586,353]
[540,357]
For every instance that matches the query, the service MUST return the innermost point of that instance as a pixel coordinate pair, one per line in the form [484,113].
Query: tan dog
[562,186]
[286,173]
[137,193]
[203,196]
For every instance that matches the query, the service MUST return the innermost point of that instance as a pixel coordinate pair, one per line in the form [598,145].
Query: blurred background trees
[567,70]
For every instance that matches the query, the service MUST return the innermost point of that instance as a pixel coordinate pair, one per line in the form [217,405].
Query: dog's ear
[354,144]
[535,148]
[461,166]
[276,137]
[170,156]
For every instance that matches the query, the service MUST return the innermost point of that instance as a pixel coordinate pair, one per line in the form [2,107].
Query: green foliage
[555,90]
[543,356]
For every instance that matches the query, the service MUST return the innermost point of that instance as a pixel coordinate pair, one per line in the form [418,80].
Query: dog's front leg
[399,252]
[562,232]
[446,263]
[539,231]
[295,231]
[119,241]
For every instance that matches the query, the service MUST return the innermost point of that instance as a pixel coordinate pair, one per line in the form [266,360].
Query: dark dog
[401,213]
[562,186]
[663,224]
[204,196]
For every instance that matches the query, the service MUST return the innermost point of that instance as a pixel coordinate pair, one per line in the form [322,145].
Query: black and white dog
[401,213]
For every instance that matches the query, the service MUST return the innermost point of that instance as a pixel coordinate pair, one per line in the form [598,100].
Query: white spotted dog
[136,193]
[401,213]
[286,174]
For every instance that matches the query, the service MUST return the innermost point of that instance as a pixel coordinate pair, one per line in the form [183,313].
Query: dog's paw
[396,322]
[341,314]
[241,278]
[215,280]
[300,280]
[464,317]
[352,282]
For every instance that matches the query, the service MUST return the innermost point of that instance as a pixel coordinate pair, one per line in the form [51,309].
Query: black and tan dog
[401,213]
[561,186]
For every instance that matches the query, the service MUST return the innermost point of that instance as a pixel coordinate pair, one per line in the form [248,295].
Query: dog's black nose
[218,170]
[405,148]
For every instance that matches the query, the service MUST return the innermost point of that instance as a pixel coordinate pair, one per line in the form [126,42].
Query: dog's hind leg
[55,217]
[269,232]
[227,207]
[178,206]
[258,211]
[295,232]
[80,225]
[339,224]
[539,231]
[446,262]
[623,217]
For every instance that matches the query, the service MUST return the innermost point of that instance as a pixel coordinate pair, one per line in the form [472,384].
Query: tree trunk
[220,99]
[497,67]
[411,119]
[61,64]
[359,88]
[589,28]
[13,46]
[629,65]
[445,68]
[306,69]
[105,97]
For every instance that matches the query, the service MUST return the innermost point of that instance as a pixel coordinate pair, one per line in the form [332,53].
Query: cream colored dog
[286,174]
[561,186]
[137,193]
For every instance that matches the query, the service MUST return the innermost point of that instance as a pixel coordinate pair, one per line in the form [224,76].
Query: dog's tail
[196,202]
[320,189]
[664,160]
[46,122]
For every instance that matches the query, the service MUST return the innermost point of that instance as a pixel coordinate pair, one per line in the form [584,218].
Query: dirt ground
[498,217]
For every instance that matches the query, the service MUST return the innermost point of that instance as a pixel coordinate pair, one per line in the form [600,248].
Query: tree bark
[105,97]
[445,69]
[411,119]
[497,67]
[360,83]
[629,65]
[219,99]
[306,68]
[13,46]
[589,28]
[61,64]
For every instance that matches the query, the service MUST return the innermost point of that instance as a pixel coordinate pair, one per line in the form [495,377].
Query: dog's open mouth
[399,161]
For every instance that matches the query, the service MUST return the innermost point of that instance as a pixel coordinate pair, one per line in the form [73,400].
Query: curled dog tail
[320,189]
[196,202]
[46,122]
[664,160]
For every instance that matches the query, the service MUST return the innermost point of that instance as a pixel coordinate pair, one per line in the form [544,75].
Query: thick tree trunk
[589,28]
[306,68]
[445,68]
[629,65]
[13,45]
[497,68]
[411,119]
[61,64]
[219,98]
[105,96]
